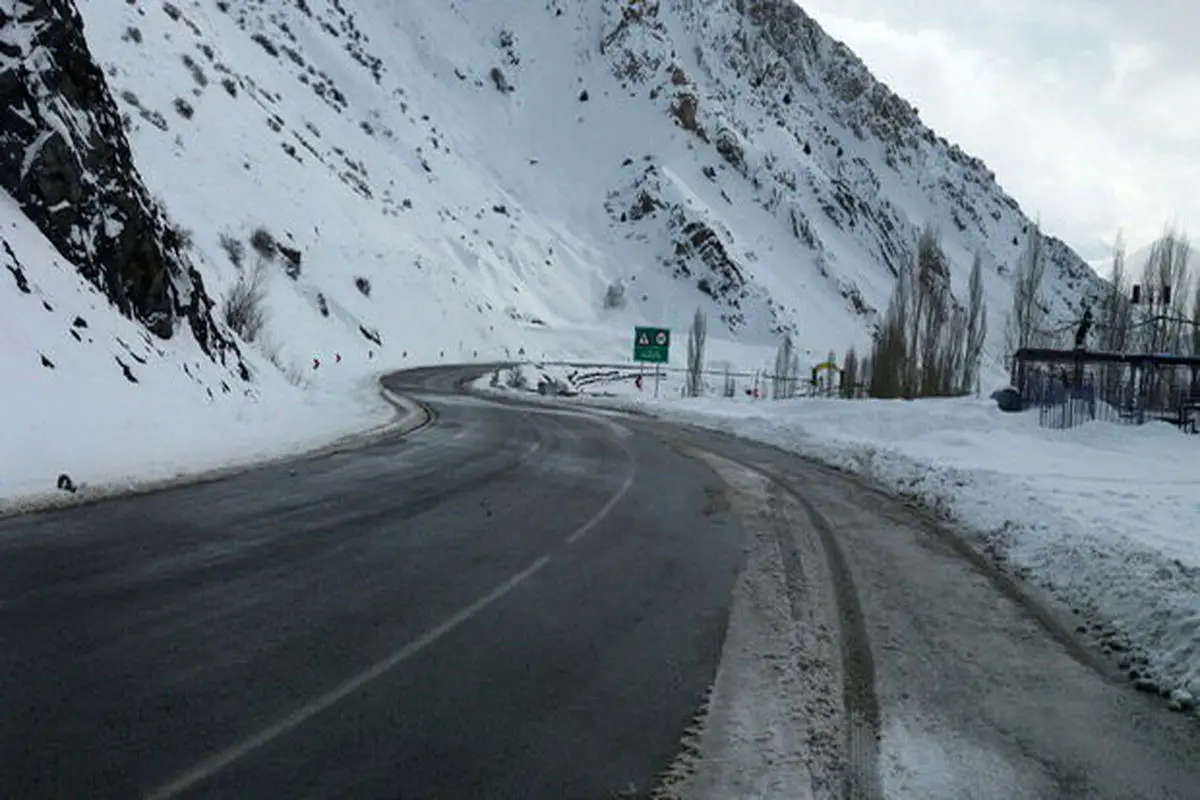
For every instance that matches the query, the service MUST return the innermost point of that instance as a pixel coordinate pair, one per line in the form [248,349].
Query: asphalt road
[959,681]
[523,602]
[506,603]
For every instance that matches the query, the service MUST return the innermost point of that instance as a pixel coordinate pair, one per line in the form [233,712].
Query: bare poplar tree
[952,352]
[930,277]
[831,372]
[1025,318]
[783,357]
[1166,270]
[938,351]
[1196,317]
[787,369]
[697,337]
[849,374]
[921,347]
[1115,321]
[1164,284]
[976,327]
[889,353]
[794,371]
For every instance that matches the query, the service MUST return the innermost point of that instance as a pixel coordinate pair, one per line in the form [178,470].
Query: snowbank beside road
[91,395]
[1107,517]
[149,442]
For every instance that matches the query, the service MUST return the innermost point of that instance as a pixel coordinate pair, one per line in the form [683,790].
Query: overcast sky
[1087,110]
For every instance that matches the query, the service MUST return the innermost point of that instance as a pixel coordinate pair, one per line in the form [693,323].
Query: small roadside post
[652,346]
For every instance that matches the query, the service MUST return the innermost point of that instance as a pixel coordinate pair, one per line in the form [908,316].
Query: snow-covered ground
[91,395]
[1105,516]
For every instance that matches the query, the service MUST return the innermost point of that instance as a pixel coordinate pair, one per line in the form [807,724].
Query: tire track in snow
[858,665]
[773,722]
[863,780]
[805,585]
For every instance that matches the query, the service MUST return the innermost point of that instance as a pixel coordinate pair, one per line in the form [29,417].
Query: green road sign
[652,345]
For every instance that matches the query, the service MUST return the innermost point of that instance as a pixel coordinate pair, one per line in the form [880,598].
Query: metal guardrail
[792,386]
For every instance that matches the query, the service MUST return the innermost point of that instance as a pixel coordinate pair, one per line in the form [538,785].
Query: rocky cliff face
[65,159]
[796,121]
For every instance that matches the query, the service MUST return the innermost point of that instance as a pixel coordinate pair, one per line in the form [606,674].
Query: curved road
[522,602]
[506,603]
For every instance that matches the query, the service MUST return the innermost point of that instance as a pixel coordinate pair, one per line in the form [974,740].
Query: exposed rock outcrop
[783,116]
[65,159]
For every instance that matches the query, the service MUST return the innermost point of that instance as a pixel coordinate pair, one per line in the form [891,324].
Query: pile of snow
[1104,516]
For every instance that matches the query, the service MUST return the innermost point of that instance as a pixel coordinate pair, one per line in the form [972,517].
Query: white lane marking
[611,504]
[220,761]
[210,767]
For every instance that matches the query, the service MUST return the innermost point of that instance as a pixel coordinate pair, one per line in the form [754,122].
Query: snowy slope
[373,138]
[470,180]
[102,398]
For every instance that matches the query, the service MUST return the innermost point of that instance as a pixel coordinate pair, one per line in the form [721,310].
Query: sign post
[652,346]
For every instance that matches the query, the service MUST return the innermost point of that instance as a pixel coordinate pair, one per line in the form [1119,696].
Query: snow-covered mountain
[465,179]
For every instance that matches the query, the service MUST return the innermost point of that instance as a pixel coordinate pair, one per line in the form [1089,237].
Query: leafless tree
[849,374]
[1115,321]
[1196,317]
[1165,285]
[976,327]
[245,303]
[787,368]
[1025,318]
[920,349]
[614,295]
[697,336]
[889,354]
[951,354]
[1166,272]
[1194,389]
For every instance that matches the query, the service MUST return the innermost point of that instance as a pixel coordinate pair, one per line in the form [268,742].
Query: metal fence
[1061,405]
[1068,408]
[762,384]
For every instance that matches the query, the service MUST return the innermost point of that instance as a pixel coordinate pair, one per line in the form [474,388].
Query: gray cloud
[1088,110]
